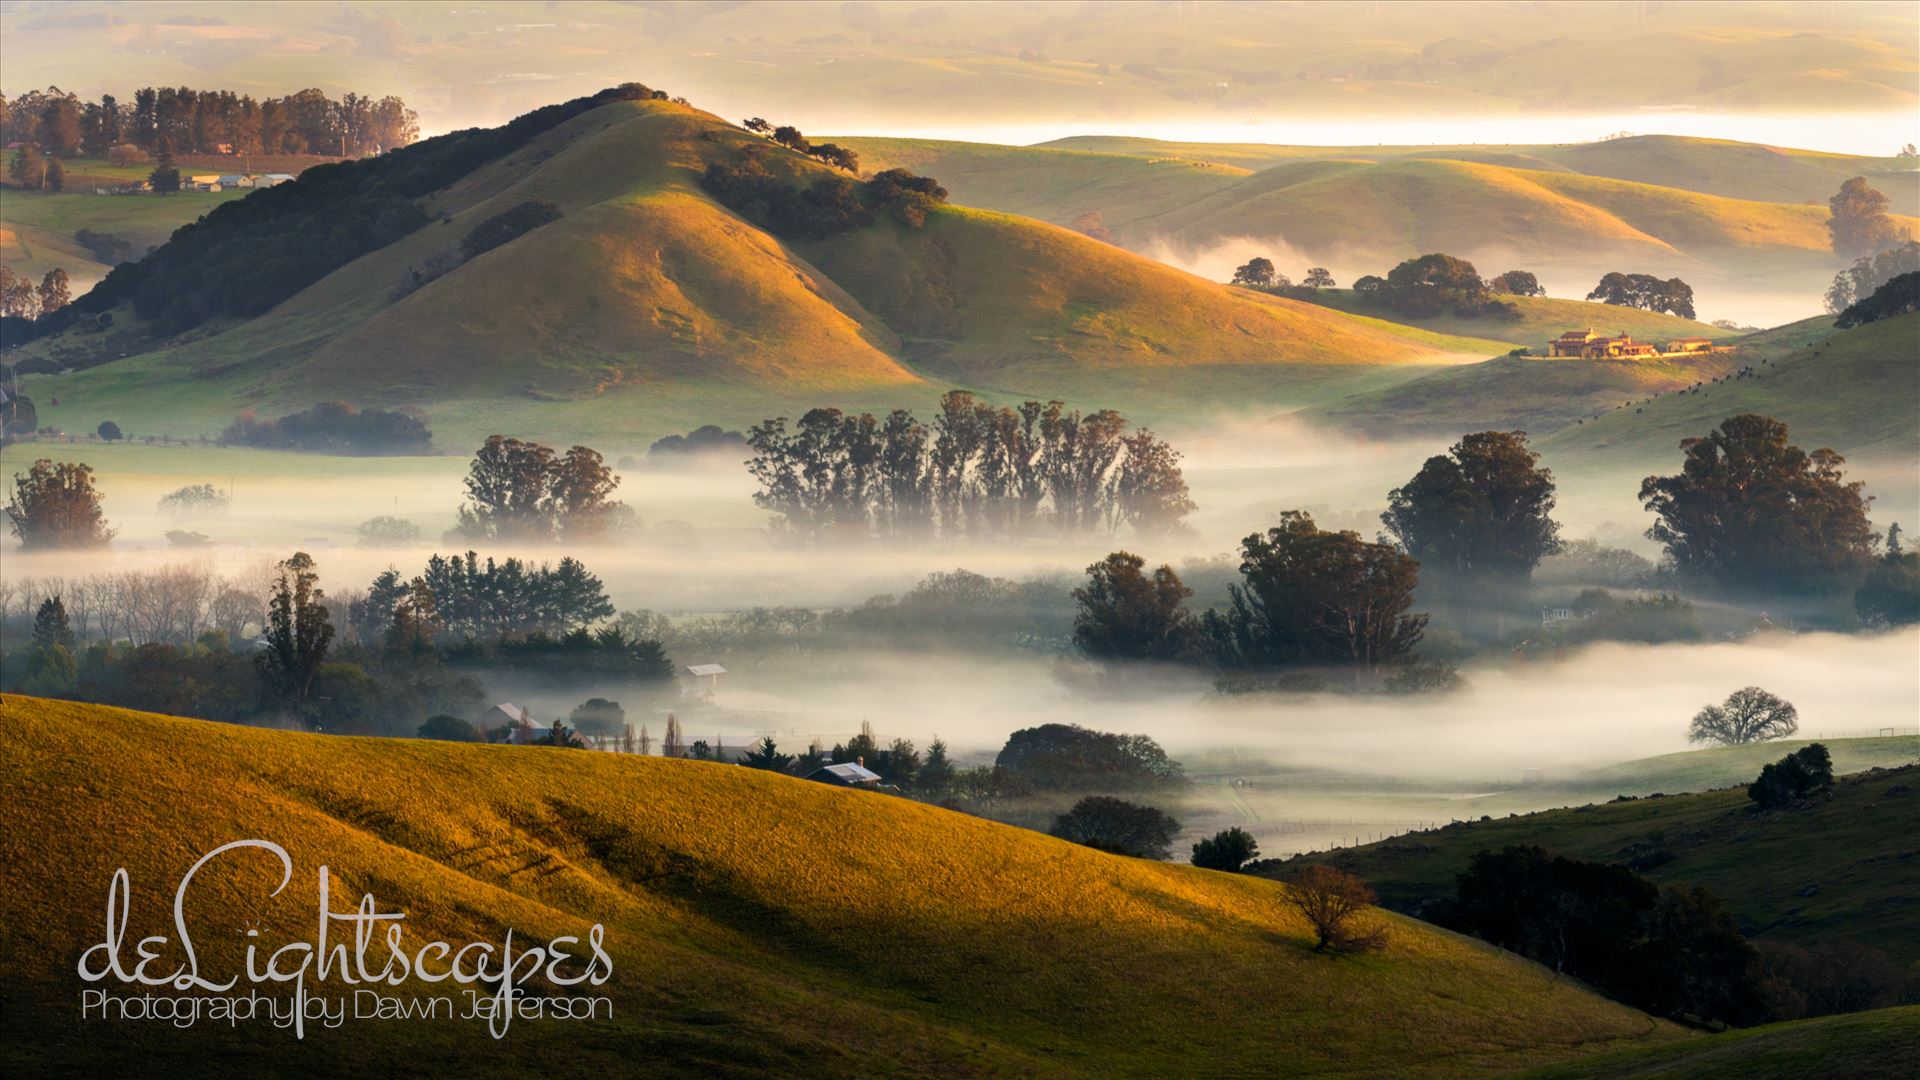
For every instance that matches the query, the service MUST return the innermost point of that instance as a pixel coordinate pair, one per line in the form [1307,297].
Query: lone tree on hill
[56,506]
[1747,509]
[1484,509]
[1517,283]
[1257,272]
[1859,223]
[1126,615]
[1318,278]
[1333,901]
[1645,292]
[1117,826]
[108,431]
[1228,849]
[1749,715]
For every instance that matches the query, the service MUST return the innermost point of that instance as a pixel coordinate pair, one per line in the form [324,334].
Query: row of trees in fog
[1749,511]
[977,471]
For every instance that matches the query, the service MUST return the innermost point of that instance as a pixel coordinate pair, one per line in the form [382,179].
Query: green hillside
[648,305]
[756,922]
[1883,1042]
[1542,319]
[1736,170]
[1655,203]
[36,231]
[1848,389]
[1510,393]
[1840,869]
[1727,766]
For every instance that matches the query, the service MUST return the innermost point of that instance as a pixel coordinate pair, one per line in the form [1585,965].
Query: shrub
[1807,771]
[1117,826]
[335,427]
[598,716]
[387,531]
[508,225]
[1229,850]
[450,729]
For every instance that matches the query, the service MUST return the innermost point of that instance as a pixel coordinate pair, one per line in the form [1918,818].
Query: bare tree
[1333,901]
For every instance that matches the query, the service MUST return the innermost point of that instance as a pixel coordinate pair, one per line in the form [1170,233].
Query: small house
[235,180]
[1685,345]
[272,179]
[517,721]
[709,678]
[846,774]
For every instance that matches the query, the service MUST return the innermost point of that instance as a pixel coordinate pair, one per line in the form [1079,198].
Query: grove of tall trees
[978,471]
[190,121]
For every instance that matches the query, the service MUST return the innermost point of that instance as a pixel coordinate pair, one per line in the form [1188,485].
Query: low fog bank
[1779,298]
[1599,705]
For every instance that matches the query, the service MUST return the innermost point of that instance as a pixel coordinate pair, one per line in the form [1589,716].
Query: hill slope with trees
[1851,390]
[1833,870]
[1729,215]
[753,920]
[639,278]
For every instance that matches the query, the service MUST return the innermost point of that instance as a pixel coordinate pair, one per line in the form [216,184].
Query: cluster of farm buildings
[206,182]
[1590,345]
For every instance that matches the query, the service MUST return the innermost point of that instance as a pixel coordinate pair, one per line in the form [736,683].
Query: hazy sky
[1836,76]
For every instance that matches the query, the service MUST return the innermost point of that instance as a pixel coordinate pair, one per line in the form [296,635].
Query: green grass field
[1542,318]
[757,923]
[1851,390]
[1836,870]
[1880,1043]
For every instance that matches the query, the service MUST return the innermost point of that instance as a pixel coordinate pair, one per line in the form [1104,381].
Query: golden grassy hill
[1727,216]
[648,305]
[758,924]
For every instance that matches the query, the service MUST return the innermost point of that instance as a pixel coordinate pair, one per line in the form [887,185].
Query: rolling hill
[1851,390]
[1841,869]
[756,922]
[1847,389]
[648,300]
[1881,1042]
[1515,393]
[1737,220]
[1541,320]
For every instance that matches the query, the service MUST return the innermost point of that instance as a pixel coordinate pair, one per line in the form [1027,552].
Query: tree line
[184,120]
[1749,513]
[977,471]
[1430,284]
[335,427]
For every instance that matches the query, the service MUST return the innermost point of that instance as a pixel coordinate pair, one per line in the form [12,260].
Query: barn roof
[847,772]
